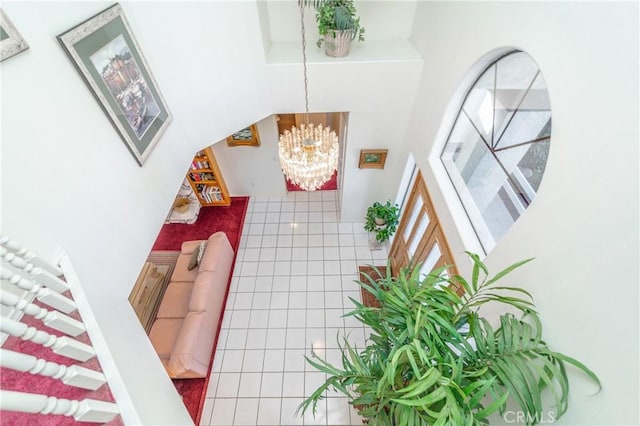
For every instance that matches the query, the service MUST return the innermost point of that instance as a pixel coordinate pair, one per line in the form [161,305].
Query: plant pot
[379,221]
[336,43]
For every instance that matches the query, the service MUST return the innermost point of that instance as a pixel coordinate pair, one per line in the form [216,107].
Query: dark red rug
[230,220]
[331,184]
[211,219]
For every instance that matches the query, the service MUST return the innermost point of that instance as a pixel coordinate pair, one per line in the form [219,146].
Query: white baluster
[72,375]
[36,273]
[61,345]
[43,294]
[87,410]
[29,255]
[53,319]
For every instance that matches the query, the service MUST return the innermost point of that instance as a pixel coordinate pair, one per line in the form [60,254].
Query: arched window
[497,149]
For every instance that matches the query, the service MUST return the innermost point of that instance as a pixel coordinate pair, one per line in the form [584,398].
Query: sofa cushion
[202,291]
[164,334]
[175,302]
[181,273]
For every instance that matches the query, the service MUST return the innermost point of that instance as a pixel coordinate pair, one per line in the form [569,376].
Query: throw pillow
[203,246]
[193,260]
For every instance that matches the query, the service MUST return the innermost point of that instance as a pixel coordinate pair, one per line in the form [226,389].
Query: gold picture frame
[372,158]
[245,137]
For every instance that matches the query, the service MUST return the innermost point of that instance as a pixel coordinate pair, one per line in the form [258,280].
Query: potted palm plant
[338,24]
[382,219]
[433,359]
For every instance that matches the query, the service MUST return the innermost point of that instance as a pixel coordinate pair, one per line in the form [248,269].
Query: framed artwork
[245,137]
[11,42]
[109,59]
[372,158]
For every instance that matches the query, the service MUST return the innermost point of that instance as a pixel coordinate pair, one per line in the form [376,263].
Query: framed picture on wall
[109,59]
[372,158]
[11,42]
[245,137]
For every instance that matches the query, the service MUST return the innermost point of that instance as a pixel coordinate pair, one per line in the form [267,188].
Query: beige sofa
[187,322]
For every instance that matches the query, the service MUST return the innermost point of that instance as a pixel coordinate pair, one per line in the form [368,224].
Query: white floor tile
[243,301]
[319,417]
[294,360]
[261,301]
[253,360]
[273,360]
[223,412]
[288,415]
[249,385]
[338,411]
[246,412]
[296,338]
[240,319]
[271,385]
[297,300]
[281,283]
[236,339]
[276,338]
[259,319]
[277,318]
[228,385]
[297,318]
[315,300]
[232,361]
[269,411]
[264,284]
[256,338]
[291,287]
[207,411]
[315,318]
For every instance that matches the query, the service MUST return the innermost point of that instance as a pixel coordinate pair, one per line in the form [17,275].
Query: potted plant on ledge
[382,219]
[432,359]
[338,24]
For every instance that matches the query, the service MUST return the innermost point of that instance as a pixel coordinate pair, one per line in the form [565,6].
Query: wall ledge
[375,51]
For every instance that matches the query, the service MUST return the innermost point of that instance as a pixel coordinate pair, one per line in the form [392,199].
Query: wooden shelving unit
[206,180]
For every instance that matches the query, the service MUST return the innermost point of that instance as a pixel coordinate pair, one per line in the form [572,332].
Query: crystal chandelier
[308,154]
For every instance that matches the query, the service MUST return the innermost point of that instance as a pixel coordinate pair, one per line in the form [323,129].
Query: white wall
[582,228]
[375,84]
[253,171]
[68,180]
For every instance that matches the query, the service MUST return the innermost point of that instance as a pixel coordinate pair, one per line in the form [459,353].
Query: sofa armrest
[188,247]
[218,255]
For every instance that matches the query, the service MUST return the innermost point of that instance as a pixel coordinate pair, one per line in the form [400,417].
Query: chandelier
[308,154]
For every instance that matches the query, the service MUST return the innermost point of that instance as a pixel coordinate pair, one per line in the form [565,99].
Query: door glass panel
[430,261]
[424,222]
[415,211]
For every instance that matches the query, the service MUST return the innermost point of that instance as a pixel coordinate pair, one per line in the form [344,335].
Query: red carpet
[229,219]
[331,184]
[211,219]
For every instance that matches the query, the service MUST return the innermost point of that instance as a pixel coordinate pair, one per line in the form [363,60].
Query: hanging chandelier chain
[304,66]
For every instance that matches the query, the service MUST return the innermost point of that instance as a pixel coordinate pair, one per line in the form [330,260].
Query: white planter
[336,43]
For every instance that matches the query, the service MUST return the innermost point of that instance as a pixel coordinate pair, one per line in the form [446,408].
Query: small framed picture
[106,54]
[245,137]
[372,158]
[11,42]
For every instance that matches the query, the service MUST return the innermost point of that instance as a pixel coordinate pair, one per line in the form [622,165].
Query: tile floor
[295,272]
